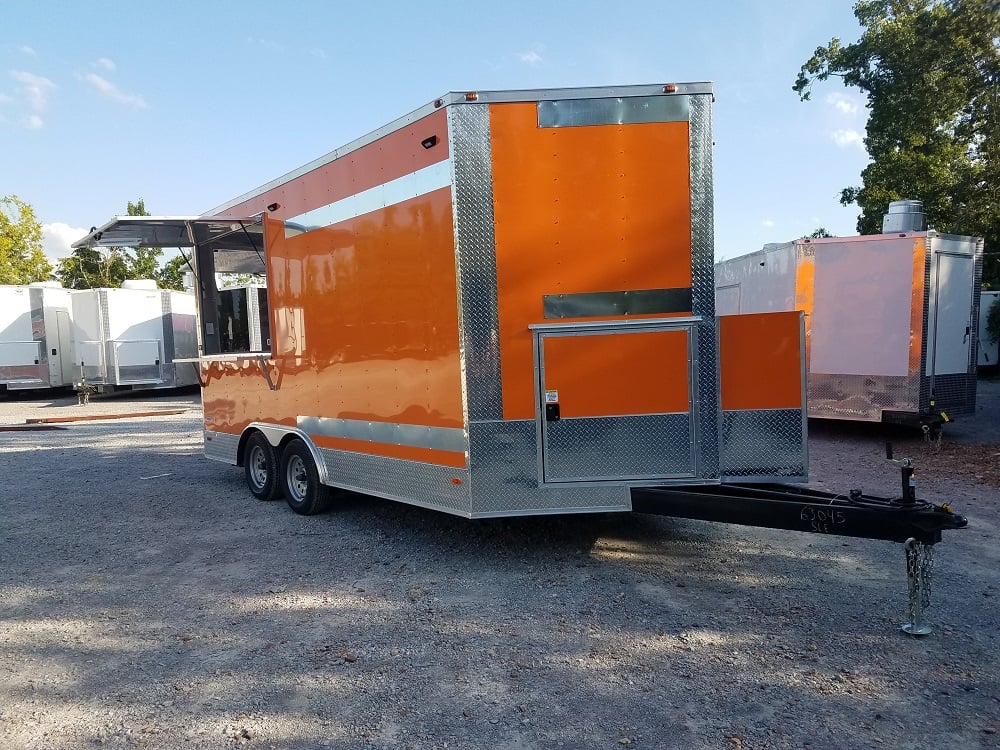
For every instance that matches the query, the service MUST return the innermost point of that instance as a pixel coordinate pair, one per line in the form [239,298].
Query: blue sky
[189,104]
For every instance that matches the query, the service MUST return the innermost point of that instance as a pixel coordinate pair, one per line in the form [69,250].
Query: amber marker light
[670,88]
[471,96]
[456,481]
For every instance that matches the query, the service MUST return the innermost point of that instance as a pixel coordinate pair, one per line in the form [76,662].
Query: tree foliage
[22,259]
[817,234]
[171,275]
[93,268]
[930,70]
[992,322]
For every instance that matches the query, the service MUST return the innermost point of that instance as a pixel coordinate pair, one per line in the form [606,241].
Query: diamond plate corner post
[703,284]
[919,559]
[475,258]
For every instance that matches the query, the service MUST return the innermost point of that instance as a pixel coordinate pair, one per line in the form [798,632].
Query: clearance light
[670,88]
[437,103]
[471,96]
[456,481]
[429,142]
[273,206]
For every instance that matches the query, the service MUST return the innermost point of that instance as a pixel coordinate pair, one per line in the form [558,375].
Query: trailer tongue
[915,523]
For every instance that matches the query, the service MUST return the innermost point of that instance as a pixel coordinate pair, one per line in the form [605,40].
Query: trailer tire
[300,480]
[260,465]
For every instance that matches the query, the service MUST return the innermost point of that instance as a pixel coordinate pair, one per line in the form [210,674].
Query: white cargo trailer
[130,337]
[890,319]
[35,337]
[989,351]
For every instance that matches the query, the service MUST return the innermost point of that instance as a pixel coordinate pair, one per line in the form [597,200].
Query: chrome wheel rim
[258,467]
[298,480]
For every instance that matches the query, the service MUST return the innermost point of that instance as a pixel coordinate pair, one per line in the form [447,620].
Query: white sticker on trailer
[552,397]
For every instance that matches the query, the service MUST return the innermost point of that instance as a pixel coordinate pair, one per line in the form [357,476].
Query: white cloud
[108,89]
[266,44]
[318,54]
[4,99]
[105,63]
[843,103]
[27,50]
[36,88]
[848,138]
[57,238]
[531,58]
[767,223]
[33,122]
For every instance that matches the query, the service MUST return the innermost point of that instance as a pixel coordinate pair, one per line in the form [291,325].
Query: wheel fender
[277,434]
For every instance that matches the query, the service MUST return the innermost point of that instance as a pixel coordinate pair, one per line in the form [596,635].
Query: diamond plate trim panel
[862,397]
[475,248]
[703,285]
[411,482]
[221,446]
[764,445]
[954,394]
[505,476]
[649,446]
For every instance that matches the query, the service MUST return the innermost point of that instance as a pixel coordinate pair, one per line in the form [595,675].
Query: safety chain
[919,565]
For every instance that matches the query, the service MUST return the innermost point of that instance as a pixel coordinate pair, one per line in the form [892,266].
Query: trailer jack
[916,524]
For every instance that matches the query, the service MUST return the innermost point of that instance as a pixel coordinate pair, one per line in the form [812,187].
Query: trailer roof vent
[904,216]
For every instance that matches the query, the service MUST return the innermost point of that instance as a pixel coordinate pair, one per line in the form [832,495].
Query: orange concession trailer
[501,303]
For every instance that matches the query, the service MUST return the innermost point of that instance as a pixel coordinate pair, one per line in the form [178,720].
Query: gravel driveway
[147,600]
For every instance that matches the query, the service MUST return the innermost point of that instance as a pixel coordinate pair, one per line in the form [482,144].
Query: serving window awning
[237,242]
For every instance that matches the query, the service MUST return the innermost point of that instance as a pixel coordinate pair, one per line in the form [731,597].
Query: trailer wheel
[303,491]
[261,467]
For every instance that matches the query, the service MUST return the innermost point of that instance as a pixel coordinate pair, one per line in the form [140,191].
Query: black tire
[300,480]
[260,466]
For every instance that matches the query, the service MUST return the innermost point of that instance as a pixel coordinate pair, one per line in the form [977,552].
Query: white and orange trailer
[501,303]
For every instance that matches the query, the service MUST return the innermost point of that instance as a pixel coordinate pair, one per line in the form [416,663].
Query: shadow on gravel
[182,611]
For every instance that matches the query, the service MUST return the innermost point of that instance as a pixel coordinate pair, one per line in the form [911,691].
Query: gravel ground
[147,600]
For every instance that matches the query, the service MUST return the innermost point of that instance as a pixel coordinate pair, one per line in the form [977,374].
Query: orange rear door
[614,400]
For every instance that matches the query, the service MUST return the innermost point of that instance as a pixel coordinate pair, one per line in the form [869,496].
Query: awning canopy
[237,242]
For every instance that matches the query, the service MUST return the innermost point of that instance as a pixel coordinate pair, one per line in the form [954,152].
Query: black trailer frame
[917,524]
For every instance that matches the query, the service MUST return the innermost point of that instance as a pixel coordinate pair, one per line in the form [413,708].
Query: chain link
[919,567]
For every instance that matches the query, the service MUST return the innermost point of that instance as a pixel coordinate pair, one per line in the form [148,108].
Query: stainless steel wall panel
[631,447]
[168,374]
[760,445]
[391,433]
[632,302]
[221,446]
[703,286]
[563,113]
[863,397]
[505,476]
[954,394]
[475,250]
[411,482]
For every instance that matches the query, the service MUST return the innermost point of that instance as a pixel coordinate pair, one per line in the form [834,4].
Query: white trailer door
[951,321]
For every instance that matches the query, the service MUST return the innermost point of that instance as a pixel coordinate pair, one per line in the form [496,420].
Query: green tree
[171,275]
[97,267]
[817,234]
[930,70]
[144,262]
[22,260]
